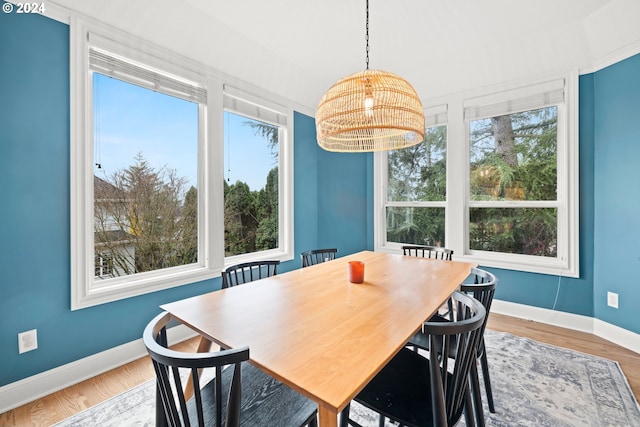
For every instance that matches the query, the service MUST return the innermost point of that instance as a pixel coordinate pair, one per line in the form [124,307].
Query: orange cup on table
[356,271]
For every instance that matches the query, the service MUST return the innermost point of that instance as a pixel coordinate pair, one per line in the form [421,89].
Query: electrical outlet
[612,299]
[27,341]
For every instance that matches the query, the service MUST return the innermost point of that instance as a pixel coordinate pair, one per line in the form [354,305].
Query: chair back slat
[233,407]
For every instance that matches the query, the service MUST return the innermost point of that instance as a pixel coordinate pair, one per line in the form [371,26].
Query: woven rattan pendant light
[371,110]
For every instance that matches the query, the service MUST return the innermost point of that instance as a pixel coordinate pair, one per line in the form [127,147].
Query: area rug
[534,384]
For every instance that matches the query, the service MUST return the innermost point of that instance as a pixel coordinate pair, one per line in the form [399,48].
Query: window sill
[523,263]
[122,288]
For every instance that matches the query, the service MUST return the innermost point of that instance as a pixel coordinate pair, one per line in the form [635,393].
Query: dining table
[317,332]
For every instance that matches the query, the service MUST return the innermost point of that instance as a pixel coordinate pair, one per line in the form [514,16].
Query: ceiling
[297,48]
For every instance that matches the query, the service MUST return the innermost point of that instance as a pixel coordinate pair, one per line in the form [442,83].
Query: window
[103,265]
[252,192]
[417,190]
[506,197]
[413,188]
[148,177]
[145,175]
[513,183]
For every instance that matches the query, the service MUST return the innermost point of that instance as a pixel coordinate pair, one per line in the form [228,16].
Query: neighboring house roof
[100,185]
[104,190]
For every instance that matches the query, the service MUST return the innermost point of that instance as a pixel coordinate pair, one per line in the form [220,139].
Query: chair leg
[487,379]
[468,409]
[344,416]
[476,394]
[381,421]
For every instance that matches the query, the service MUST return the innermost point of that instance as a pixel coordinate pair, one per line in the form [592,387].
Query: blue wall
[616,126]
[333,195]
[333,207]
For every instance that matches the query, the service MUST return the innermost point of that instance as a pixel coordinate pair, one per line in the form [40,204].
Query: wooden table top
[318,333]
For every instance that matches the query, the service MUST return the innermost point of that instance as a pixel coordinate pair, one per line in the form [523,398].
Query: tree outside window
[513,158]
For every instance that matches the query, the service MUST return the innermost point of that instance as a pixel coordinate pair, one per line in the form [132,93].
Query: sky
[164,129]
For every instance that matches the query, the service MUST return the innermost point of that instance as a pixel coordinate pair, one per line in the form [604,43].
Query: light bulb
[368,105]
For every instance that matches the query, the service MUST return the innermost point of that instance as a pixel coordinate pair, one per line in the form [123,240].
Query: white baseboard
[617,335]
[577,322]
[39,385]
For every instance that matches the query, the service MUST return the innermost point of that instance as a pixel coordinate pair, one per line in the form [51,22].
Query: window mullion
[417,204]
[457,178]
[514,204]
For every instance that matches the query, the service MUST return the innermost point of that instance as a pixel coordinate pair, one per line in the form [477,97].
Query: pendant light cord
[367,35]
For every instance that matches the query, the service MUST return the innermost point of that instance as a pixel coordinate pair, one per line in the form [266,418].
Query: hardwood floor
[60,405]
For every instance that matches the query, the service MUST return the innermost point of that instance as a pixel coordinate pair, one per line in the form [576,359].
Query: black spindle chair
[247,272]
[316,256]
[240,395]
[483,289]
[417,391]
[434,252]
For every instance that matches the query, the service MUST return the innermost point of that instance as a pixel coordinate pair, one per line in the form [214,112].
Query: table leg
[327,417]
[203,347]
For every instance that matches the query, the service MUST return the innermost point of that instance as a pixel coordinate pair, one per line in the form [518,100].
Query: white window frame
[458,201]
[85,291]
